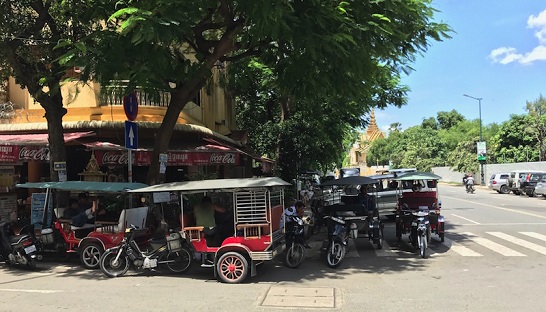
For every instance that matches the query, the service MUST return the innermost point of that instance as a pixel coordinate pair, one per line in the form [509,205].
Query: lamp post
[482,174]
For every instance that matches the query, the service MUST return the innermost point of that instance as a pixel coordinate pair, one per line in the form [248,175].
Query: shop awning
[39,138]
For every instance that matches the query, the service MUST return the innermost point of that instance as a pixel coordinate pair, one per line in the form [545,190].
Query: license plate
[30,249]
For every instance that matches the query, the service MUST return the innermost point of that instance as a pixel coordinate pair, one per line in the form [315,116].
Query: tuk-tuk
[58,234]
[418,207]
[251,225]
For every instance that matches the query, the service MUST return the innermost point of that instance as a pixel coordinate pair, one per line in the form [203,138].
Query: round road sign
[130,105]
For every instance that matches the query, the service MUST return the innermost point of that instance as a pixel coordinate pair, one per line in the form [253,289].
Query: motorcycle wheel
[179,261]
[423,248]
[294,255]
[335,254]
[31,263]
[112,268]
[90,255]
[380,240]
[442,237]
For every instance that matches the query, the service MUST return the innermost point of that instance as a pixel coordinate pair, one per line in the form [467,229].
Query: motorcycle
[340,229]
[470,187]
[295,242]
[20,249]
[170,251]
[420,231]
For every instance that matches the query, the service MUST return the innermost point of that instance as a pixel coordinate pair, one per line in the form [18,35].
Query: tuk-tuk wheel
[232,268]
[442,237]
[90,255]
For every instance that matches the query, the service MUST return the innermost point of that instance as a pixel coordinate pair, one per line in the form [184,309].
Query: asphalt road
[492,260]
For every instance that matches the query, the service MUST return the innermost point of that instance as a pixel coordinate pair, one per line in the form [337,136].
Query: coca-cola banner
[144,158]
[9,153]
[37,153]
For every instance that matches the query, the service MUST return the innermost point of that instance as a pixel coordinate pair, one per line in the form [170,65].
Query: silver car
[499,182]
[540,188]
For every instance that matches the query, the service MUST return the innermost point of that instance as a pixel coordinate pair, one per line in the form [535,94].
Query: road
[492,260]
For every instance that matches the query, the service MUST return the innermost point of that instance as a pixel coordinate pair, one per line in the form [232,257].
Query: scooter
[340,229]
[170,251]
[470,187]
[420,231]
[22,249]
[295,242]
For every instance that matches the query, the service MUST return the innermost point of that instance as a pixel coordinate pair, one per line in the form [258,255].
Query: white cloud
[507,55]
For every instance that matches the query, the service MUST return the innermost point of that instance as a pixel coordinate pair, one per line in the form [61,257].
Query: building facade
[205,142]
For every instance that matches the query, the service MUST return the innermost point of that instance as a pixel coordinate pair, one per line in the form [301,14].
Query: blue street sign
[131,135]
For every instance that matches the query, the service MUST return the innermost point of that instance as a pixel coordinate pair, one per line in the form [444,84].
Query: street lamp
[482,174]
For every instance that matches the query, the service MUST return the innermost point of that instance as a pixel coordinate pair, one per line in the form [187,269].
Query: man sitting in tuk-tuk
[204,214]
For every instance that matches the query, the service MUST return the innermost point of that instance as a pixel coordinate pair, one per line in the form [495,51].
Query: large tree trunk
[54,116]
[179,98]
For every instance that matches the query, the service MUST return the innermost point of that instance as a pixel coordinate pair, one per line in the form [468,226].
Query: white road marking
[535,235]
[386,251]
[40,291]
[505,251]
[465,219]
[518,241]
[520,223]
[461,250]
[500,208]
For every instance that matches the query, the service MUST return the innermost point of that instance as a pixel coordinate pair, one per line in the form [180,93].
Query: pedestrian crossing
[467,244]
[463,244]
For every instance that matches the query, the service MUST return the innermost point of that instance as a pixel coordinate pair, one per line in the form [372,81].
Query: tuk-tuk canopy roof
[84,186]
[215,185]
[353,180]
[418,176]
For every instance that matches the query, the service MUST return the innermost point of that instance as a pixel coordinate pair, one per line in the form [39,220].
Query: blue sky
[497,52]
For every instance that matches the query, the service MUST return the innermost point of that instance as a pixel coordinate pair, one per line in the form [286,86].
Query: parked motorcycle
[420,231]
[20,249]
[375,230]
[171,251]
[295,242]
[340,229]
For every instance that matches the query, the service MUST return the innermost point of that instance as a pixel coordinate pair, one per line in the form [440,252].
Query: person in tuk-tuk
[366,200]
[204,214]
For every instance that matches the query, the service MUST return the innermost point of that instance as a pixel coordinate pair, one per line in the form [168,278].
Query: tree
[537,125]
[447,120]
[29,33]
[430,123]
[353,48]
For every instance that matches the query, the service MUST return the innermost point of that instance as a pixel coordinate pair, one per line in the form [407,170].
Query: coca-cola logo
[227,158]
[110,158]
[29,153]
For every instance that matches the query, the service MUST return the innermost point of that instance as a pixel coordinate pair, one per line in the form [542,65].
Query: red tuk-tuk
[418,209]
[254,207]
[90,240]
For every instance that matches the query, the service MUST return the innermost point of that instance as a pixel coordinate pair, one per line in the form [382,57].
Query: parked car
[514,180]
[529,183]
[499,182]
[540,188]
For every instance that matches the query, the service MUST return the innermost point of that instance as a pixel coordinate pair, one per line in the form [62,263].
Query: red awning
[39,138]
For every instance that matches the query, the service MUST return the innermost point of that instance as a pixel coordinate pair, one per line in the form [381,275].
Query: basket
[47,237]
[174,242]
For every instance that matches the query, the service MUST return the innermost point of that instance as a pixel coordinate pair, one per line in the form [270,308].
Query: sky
[497,52]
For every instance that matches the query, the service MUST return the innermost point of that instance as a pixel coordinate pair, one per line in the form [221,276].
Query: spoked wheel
[179,261]
[335,254]
[90,255]
[112,267]
[294,255]
[232,268]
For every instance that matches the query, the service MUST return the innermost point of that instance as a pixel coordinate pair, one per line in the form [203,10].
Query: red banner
[144,158]
[9,153]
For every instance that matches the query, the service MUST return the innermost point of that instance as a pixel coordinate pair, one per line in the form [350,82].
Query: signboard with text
[482,151]
[144,158]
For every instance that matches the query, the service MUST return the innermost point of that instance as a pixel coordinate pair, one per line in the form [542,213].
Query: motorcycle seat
[14,240]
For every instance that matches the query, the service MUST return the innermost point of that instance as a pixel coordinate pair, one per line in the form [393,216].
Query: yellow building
[357,154]
[205,142]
